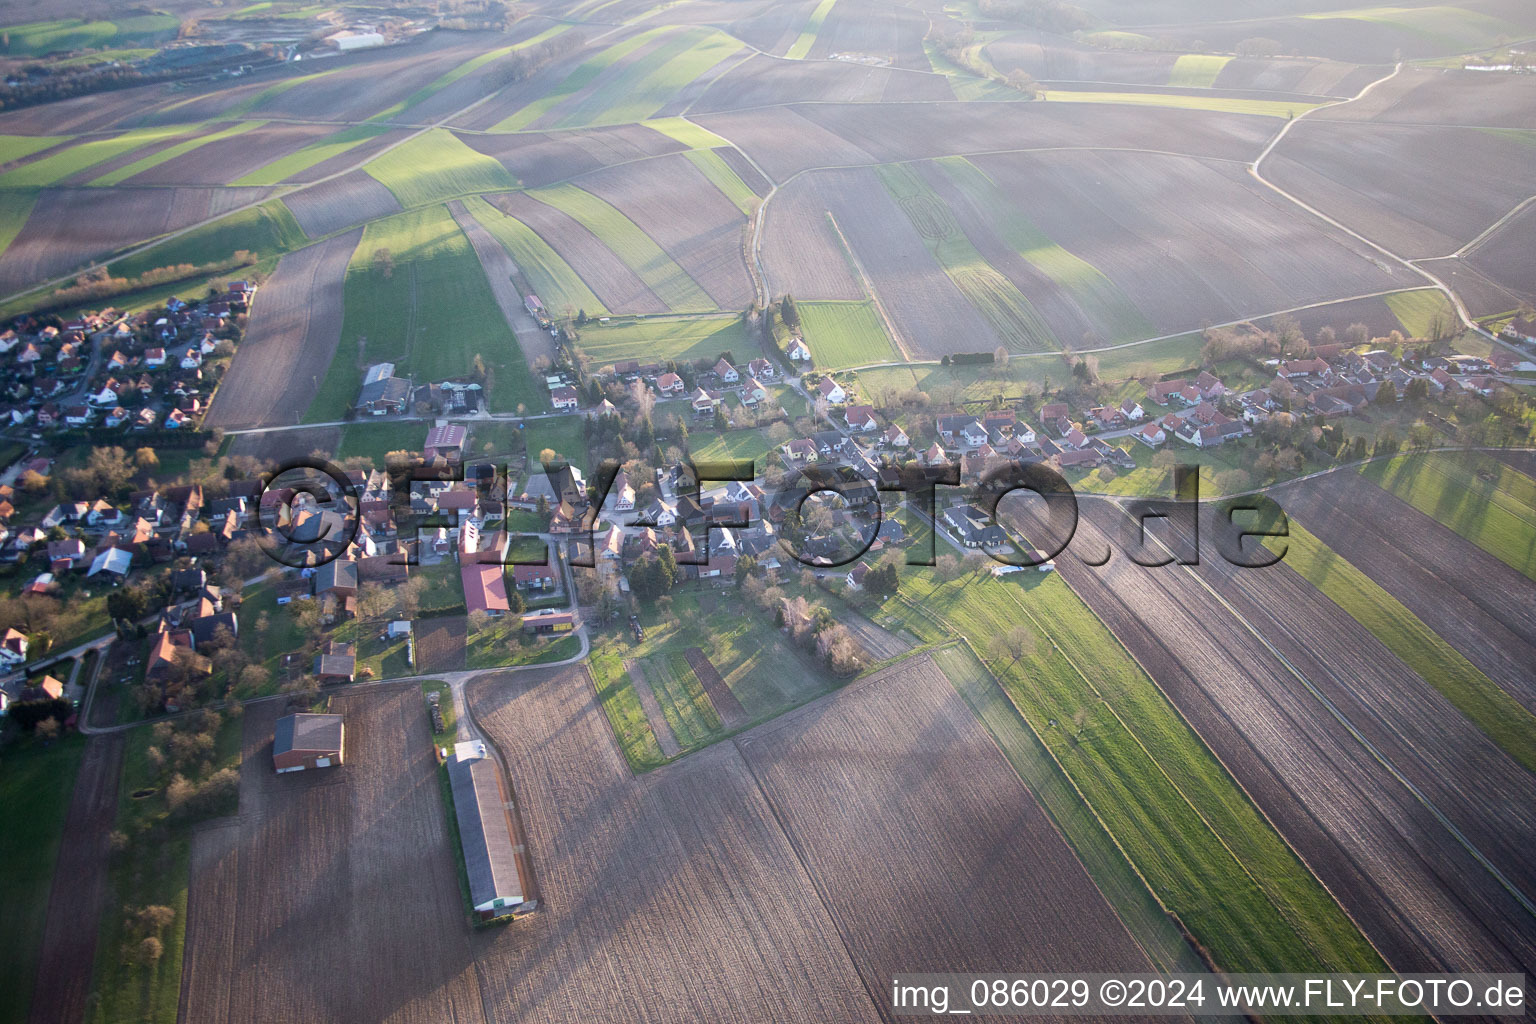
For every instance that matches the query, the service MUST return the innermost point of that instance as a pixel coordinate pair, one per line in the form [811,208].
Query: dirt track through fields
[1418,895]
[79,888]
[499,270]
[294,332]
[1472,600]
[653,712]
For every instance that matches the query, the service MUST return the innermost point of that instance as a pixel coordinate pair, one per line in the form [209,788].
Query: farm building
[549,621]
[444,442]
[492,857]
[307,741]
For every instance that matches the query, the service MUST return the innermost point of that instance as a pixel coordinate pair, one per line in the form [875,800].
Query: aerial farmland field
[741,751]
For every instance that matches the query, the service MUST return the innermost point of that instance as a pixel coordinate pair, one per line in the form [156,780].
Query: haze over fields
[707,751]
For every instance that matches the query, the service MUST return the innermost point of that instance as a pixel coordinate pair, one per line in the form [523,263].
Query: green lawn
[723,178]
[498,646]
[1100,297]
[633,246]
[35,790]
[621,704]
[1482,499]
[1017,323]
[445,588]
[1421,311]
[376,440]
[435,166]
[1216,104]
[40,37]
[807,38]
[1197,70]
[1486,705]
[303,159]
[430,312]
[82,155]
[657,339]
[1173,809]
[563,434]
[282,637]
[552,279]
[844,334]
[734,445]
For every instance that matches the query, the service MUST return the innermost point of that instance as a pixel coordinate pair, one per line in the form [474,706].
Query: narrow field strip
[301,160]
[995,297]
[723,178]
[573,83]
[87,154]
[645,86]
[1087,285]
[470,66]
[274,90]
[626,714]
[171,152]
[1448,488]
[807,38]
[1480,699]
[633,246]
[680,129]
[552,279]
[1215,104]
[15,207]
[19,147]
[435,166]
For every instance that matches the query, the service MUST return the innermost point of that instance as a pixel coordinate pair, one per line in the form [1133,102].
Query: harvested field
[762,81]
[1435,96]
[1391,183]
[280,445]
[873,28]
[294,331]
[673,203]
[222,161]
[783,142]
[440,644]
[880,642]
[907,131]
[1186,241]
[732,714]
[930,314]
[801,249]
[80,892]
[1416,893]
[895,771]
[537,158]
[1374,313]
[721,175]
[337,153]
[653,713]
[750,176]
[674,890]
[499,271]
[1507,258]
[336,205]
[306,859]
[69,228]
[551,278]
[90,113]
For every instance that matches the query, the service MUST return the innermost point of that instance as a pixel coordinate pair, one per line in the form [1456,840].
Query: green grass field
[621,704]
[1486,705]
[15,207]
[86,154]
[430,312]
[376,440]
[573,83]
[642,87]
[807,38]
[1216,104]
[684,703]
[733,445]
[267,230]
[723,178]
[159,157]
[1169,804]
[552,279]
[996,298]
[1422,311]
[302,160]
[656,339]
[40,37]
[1197,70]
[1096,294]
[563,434]
[1483,500]
[1456,29]
[18,147]
[35,790]
[843,334]
[435,166]
[633,246]
[680,129]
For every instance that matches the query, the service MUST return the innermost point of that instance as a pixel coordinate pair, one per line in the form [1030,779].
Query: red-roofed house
[485,588]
